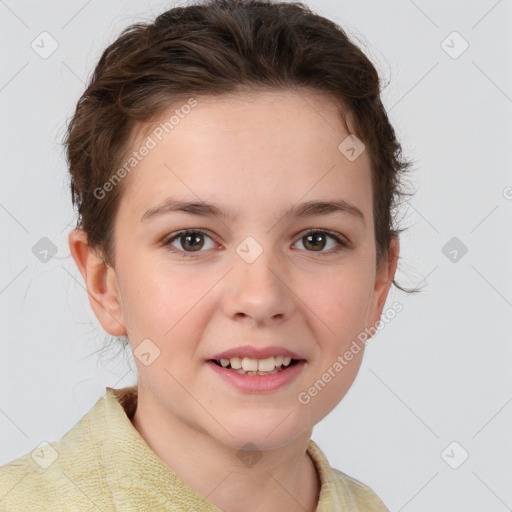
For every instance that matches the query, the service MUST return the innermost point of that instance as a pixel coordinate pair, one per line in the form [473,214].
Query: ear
[383,280]
[101,283]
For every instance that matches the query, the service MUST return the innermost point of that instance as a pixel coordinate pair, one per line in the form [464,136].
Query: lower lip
[258,383]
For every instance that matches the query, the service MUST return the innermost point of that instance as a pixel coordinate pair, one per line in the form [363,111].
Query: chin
[263,436]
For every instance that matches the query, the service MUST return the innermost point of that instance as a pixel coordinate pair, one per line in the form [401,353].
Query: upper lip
[256,353]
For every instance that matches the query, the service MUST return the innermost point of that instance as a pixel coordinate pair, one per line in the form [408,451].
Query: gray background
[438,373]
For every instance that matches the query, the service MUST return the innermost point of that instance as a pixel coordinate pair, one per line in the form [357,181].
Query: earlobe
[101,284]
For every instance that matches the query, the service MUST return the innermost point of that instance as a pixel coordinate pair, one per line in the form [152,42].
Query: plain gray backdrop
[428,422]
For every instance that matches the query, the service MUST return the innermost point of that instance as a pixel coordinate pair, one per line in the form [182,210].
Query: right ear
[101,283]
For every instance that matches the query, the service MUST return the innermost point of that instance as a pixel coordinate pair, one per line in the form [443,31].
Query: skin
[257,154]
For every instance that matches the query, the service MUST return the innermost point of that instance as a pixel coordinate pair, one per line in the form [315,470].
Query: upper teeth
[263,365]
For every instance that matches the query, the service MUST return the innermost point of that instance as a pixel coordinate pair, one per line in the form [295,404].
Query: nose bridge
[257,286]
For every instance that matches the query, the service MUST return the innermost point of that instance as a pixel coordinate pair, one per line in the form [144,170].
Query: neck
[284,478]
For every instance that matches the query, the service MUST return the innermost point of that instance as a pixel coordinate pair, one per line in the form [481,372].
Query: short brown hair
[217,47]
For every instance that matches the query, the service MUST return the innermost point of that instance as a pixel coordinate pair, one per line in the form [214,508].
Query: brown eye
[194,242]
[316,240]
[188,241]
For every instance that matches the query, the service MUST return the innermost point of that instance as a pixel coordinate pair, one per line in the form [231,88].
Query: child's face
[256,158]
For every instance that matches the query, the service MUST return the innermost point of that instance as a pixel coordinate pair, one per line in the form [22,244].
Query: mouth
[249,366]
[252,369]
[257,375]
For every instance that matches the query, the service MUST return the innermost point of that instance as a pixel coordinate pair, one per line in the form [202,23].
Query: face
[264,270]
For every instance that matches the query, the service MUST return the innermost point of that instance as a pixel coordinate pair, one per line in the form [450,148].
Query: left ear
[383,280]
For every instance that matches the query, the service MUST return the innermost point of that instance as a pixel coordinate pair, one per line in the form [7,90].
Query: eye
[315,240]
[190,240]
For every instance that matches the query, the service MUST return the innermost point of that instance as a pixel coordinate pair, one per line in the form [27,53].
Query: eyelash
[343,245]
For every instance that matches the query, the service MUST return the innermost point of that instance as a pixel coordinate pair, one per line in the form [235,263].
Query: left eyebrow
[307,209]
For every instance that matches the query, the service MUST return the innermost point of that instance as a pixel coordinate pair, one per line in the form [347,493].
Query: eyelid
[182,232]
[341,240]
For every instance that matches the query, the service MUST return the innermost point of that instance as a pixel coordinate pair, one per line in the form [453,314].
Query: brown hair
[219,47]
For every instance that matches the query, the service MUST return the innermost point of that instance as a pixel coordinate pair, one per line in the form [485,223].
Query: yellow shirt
[103,464]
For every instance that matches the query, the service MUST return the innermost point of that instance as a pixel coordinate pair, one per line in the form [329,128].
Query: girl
[235,174]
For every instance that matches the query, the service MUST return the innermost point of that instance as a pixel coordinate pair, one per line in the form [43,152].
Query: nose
[259,291]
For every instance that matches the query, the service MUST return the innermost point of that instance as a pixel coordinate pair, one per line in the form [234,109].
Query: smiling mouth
[248,366]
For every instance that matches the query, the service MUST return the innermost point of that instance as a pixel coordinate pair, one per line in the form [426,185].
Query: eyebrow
[307,209]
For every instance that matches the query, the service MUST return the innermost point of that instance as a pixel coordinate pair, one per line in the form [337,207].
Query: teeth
[249,365]
[266,365]
[236,363]
[257,366]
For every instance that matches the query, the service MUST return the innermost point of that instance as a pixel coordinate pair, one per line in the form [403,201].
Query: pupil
[196,238]
[315,247]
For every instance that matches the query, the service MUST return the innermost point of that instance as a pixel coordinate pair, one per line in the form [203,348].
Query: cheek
[339,302]
[169,309]
[155,297]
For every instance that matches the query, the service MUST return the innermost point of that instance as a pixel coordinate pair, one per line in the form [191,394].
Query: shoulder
[362,494]
[65,475]
[340,491]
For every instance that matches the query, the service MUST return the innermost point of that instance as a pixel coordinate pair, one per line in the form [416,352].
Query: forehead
[271,145]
